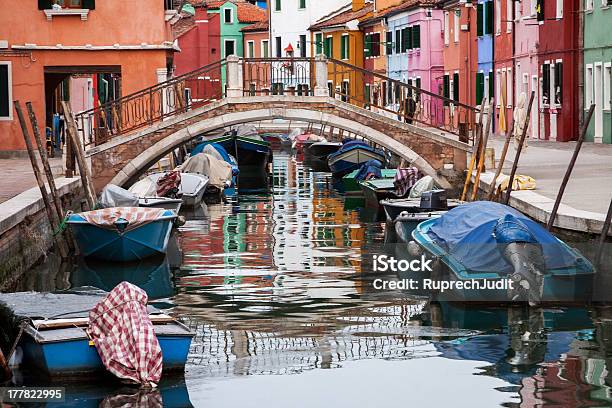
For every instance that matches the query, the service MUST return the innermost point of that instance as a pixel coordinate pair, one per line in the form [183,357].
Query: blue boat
[55,342]
[251,152]
[350,157]
[486,241]
[228,158]
[116,238]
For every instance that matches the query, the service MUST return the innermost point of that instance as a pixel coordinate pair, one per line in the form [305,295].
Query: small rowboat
[394,207]
[191,189]
[122,233]
[351,185]
[321,150]
[407,222]
[251,152]
[55,342]
[173,204]
[351,156]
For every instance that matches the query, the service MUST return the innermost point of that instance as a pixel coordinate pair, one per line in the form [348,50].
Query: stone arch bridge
[125,137]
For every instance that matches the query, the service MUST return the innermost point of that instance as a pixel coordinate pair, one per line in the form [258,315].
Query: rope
[63,225]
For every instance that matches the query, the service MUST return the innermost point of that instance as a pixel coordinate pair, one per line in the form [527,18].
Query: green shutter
[367,93]
[277,5]
[479,87]
[489,17]
[446,88]
[479,20]
[302,4]
[559,81]
[344,47]
[44,4]
[89,4]
[329,47]
[416,36]
[405,39]
[389,42]
[546,81]
[319,43]
[456,87]
[398,42]
[491,83]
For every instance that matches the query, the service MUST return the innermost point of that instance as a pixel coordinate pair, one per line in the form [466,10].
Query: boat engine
[521,249]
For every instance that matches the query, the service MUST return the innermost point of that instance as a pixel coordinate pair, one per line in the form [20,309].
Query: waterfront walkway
[16,176]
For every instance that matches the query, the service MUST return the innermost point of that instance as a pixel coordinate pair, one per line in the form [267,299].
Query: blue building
[485,27]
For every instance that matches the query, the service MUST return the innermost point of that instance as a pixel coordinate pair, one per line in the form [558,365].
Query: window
[497,17]
[446,88]
[488,8]
[69,3]
[277,5]
[509,88]
[540,10]
[546,83]
[279,47]
[319,43]
[368,93]
[389,43]
[230,48]
[6,91]
[533,8]
[345,91]
[559,8]
[490,83]
[446,28]
[479,87]
[416,36]
[367,46]
[517,9]
[344,47]
[406,43]
[375,45]
[509,15]
[398,42]
[329,47]
[558,82]
[303,46]
[301,4]
[480,20]
[456,28]
[418,85]
[228,16]
[588,6]
[456,86]
[607,100]
[498,81]
[265,48]
[250,49]
[383,92]
[80,4]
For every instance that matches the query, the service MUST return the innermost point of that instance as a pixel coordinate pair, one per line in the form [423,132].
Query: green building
[598,68]
[234,16]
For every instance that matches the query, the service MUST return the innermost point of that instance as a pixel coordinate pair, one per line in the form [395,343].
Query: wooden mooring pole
[519,149]
[603,236]
[54,220]
[482,148]
[570,167]
[475,151]
[88,189]
[502,159]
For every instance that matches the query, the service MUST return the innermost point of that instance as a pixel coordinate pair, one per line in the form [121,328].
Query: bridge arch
[229,112]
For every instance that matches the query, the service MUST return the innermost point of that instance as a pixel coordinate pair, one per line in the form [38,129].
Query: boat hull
[343,162]
[321,150]
[160,202]
[251,154]
[393,208]
[109,244]
[351,185]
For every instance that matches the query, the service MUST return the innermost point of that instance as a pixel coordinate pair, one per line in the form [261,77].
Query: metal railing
[275,76]
[399,100]
[151,105]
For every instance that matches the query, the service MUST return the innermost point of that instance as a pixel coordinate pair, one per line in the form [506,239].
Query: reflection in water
[273,283]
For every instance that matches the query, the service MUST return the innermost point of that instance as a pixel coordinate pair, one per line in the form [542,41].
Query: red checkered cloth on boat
[168,183]
[122,331]
[135,216]
[404,179]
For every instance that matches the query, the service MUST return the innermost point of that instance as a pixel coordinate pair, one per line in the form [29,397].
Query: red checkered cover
[405,178]
[120,327]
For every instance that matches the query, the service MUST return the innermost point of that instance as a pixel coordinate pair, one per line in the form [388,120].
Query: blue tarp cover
[466,232]
[372,167]
[346,145]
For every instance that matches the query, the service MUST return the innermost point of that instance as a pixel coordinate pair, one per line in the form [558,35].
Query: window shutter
[479,87]
[319,41]
[446,88]
[489,17]
[375,45]
[405,39]
[89,4]
[456,86]
[559,82]
[491,85]
[416,36]
[479,20]
[410,39]
[398,42]
[5,103]
[540,10]
[389,42]
[546,82]
[44,4]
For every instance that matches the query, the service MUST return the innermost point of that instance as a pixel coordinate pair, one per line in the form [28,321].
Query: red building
[503,51]
[256,40]
[196,38]
[558,58]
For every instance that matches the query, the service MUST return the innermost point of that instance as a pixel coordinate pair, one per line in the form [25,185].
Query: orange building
[257,75]
[110,48]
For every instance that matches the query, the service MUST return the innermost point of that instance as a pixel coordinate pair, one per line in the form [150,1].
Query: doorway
[598,88]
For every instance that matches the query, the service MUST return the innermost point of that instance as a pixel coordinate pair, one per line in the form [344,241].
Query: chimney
[358,4]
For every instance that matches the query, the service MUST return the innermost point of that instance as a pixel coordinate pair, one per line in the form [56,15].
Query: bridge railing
[151,105]
[401,101]
[278,76]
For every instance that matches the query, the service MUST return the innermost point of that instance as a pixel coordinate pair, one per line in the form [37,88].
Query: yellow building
[337,35]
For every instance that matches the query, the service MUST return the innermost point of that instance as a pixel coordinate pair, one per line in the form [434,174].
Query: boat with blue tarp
[351,156]
[490,241]
[249,149]
[122,233]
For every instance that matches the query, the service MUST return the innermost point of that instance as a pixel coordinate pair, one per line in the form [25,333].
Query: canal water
[272,284]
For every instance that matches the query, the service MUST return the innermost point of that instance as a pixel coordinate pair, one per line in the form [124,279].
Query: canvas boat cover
[121,329]
[466,233]
[135,216]
[405,179]
[369,170]
[144,188]
[218,171]
[115,196]
[217,151]
[424,184]
[246,131]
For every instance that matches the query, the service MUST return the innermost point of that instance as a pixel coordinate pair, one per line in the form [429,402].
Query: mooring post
[603,236]
[475,151]
[570,168]
[51,215]
[482,149]
[502,158]
[519,149]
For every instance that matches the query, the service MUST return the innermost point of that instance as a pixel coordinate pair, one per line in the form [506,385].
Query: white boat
[142,195]
[161,202]
[191,189]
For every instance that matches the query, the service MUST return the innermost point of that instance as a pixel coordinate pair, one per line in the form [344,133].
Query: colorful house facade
[195,37]
[257,75]
[417,54]
[558,58]
[86,39]
[503,56]
[484,33]
[598,69]
[338,37]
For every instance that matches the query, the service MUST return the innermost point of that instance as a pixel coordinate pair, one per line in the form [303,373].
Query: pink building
[526,74]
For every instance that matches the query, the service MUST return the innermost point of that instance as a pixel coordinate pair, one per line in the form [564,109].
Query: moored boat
[350,183]
[191,188]
[122,233]
[395,206]
[55,342]
[351,155]
[406,222]
[251,151]
[490,242]
[321,150]
[173,204]
[375,190]
[145,196]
